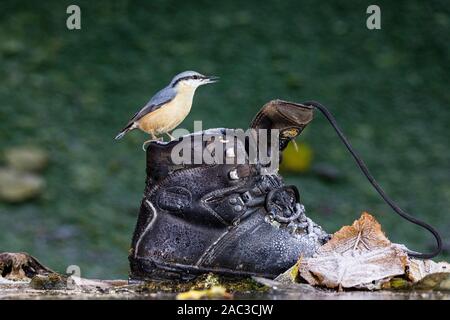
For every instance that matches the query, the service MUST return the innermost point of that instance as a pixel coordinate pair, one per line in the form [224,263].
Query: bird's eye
[195,77]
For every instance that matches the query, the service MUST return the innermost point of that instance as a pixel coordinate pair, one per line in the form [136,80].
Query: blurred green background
[69,92]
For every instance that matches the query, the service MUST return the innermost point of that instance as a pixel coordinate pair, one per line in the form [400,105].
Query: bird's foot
[171,137]
[144,145]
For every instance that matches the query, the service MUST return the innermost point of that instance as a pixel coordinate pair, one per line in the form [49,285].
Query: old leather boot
[225,218]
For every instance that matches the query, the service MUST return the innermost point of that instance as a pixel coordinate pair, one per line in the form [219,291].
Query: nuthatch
[168,107]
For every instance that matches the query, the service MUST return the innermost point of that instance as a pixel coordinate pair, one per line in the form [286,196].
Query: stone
[52,281]
[27,159]
[16,186]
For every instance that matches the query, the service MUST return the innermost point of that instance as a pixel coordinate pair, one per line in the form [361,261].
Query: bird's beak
[211,79]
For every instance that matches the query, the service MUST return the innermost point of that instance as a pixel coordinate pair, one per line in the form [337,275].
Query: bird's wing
[159,99]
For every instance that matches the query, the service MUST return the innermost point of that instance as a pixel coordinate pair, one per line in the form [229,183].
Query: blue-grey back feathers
[160,98]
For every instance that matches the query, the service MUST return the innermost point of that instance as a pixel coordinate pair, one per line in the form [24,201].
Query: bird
[168,107]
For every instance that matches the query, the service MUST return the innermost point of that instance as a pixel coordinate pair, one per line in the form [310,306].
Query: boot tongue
[288,117]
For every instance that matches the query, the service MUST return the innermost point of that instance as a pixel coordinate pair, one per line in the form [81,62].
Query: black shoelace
[377,187]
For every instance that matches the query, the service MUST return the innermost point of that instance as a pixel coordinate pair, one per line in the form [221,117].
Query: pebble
[26,159]
[16,186]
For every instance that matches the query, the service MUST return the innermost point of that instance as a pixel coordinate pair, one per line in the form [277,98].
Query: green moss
[243,285]
[206,281]
[398,284]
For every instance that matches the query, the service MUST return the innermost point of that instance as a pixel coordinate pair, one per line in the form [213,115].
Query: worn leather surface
[289,118]
[216,217]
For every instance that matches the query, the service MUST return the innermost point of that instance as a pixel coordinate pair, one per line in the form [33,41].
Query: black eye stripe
[195,77]
[187,78]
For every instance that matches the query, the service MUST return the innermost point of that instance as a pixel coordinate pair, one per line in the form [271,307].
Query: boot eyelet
[246,196]
[233,174]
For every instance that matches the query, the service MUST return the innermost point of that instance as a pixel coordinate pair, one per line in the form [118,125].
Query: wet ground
[274,291]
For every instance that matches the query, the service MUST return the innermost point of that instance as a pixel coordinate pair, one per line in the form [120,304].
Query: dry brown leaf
[20,266]
[418,269]
[364,234]
[359,256]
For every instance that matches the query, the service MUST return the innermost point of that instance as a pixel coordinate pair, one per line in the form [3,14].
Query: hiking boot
[230,218]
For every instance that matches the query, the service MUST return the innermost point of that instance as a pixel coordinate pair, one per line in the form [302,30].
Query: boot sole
[151,270]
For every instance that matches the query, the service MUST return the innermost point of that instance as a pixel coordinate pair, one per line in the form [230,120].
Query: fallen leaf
[21,266]
[363,235]
[418,269]
[434,281]
[215,292]
[357,256]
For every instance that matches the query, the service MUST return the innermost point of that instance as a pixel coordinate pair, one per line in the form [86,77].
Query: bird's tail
[124,131]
